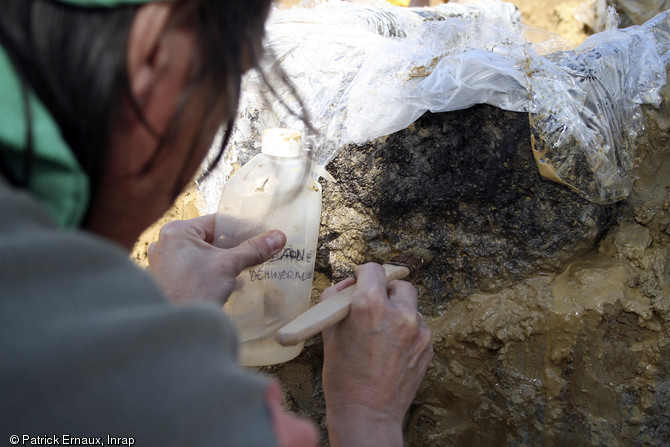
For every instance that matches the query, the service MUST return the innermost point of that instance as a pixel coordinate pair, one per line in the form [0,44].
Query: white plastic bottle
[274,190]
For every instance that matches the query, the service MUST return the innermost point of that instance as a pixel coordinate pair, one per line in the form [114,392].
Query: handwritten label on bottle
[293,255]
[262,273]
[290,264]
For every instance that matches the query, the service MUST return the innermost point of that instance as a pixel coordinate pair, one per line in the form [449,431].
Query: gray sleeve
[89,347]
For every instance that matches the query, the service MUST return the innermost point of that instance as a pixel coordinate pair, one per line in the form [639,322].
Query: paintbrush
[337,307]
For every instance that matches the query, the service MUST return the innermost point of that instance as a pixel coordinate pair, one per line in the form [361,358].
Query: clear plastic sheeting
[368,70]
[593,14]
[585,110]
[637,12]
[365,70]
[446,65]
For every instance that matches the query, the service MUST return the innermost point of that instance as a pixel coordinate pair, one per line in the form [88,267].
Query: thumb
[258,249]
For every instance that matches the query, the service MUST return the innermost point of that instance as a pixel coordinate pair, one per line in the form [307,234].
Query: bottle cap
[281,142]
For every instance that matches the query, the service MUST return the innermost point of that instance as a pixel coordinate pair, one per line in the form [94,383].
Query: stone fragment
[463,185]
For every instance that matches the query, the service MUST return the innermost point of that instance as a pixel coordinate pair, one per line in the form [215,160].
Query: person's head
[138,91]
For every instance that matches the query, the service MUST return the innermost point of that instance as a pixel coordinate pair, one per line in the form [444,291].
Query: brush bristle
[424,254]
[414,261]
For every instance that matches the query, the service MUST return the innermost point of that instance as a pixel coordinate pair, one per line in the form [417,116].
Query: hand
[374,361]
[188,267]
[290,430]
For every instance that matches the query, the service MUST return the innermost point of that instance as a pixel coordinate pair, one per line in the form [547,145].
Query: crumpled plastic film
[592,13]
[585,110]
[446,65]
[366,70]
[637,12]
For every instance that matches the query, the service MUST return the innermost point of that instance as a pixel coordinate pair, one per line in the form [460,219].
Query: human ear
[160,61]
[143,45]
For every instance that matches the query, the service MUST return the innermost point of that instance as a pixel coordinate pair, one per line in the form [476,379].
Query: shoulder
[38,259]
[89,344]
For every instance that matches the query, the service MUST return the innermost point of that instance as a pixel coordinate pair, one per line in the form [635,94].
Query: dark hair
[74,59]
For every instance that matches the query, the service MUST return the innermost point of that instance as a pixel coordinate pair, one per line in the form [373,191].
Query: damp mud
[574,357]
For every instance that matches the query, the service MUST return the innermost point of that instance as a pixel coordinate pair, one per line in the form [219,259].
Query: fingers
[206,226]
[371,275]
[258,249]
[198,230]
[373,293]
[377,356]
[408,323]
[370,295]
[273,394]
[151,252]
[335,288]
[403,295]
[423,346]
[289,430]
[368,272]
[188,267]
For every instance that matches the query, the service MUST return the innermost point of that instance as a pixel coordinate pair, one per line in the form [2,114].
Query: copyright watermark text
[66,439]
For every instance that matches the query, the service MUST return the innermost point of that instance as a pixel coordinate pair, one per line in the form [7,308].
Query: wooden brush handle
[328,312]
